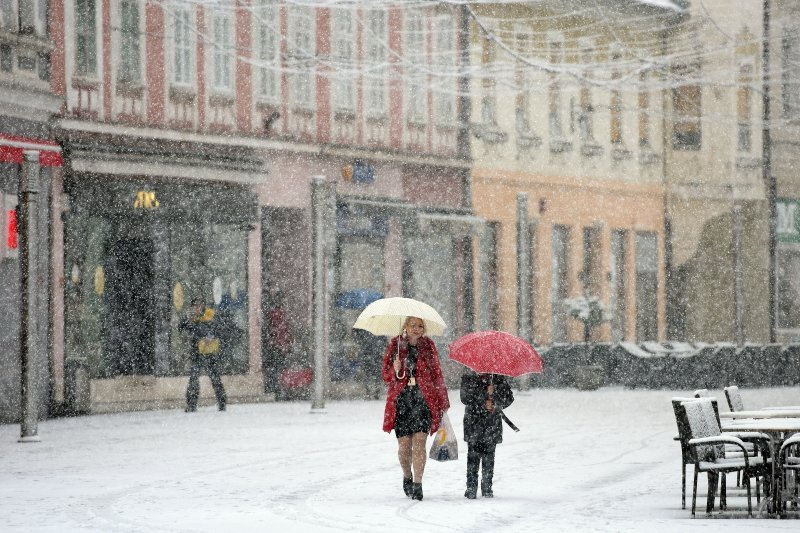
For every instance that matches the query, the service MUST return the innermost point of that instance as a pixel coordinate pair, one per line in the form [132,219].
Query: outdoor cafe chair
[789,461]
[707,452]
[734,398]
[684,434]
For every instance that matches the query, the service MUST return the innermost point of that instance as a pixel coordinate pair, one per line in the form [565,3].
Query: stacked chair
[711,452]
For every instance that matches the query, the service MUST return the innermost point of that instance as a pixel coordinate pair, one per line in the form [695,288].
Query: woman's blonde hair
[408,319]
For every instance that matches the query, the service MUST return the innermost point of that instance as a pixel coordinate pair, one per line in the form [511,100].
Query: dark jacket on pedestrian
[482,426]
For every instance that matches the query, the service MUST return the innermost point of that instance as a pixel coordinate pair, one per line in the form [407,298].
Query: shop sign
[354,222]
[145,200]
[9,247]
[787,224]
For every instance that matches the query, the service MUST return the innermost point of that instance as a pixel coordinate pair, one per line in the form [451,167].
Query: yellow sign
[145,200]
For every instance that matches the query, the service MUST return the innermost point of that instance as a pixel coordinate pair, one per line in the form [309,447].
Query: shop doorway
[130,265]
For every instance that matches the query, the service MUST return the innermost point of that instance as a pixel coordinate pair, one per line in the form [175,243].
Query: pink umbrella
[496,352]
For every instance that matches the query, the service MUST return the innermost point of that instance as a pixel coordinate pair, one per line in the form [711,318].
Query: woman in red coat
[415,400]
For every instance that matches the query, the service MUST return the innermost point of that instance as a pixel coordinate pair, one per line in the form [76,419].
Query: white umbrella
[386,316]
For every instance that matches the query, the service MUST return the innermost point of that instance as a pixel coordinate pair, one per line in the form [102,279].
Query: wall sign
[145,200]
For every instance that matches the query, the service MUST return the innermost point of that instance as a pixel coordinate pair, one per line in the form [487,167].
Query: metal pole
[768,178]
[737,273]
[318,300]
[523,268]
[29,350]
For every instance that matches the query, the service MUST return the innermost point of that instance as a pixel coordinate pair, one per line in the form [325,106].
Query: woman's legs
[404,455]
[419,455]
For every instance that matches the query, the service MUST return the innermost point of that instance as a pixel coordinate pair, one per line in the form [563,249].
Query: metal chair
[734,398]
[789,461]
[708,453]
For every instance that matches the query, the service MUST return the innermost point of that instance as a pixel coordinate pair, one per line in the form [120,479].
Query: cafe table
[762,413]
[778,429]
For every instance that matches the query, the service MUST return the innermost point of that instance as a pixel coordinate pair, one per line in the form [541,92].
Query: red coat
[429,381]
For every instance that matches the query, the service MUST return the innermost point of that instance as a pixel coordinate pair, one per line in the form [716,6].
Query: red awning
[12,147]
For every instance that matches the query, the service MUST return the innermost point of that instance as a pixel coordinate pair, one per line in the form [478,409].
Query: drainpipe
[737,273]
[768,178]
[523,268]
[29,349]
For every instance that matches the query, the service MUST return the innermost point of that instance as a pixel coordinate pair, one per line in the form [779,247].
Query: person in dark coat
[203,329]
[416,399]
[484,396]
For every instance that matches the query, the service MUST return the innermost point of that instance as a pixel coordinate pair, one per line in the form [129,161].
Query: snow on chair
[707,448]
[734,398]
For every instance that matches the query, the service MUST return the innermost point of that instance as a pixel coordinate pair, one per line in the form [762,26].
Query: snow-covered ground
[584,461]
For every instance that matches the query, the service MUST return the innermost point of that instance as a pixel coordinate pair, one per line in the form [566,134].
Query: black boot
[471,493]
[416,491]
[407,483]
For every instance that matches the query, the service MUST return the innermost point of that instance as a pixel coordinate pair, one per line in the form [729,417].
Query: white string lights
[653,38]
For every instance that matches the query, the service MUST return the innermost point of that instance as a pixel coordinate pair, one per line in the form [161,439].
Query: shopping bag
[445,444]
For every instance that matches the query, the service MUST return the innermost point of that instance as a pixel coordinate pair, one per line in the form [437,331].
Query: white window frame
[375,54]
[302,51]
[344,88]
[268,43]
[92,69]
[183,46]
[555,113]
[416,60]
[223,49]
[130,36]
[445,103]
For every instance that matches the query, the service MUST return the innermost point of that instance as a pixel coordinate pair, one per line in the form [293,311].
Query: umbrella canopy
[496,352]
[386,316]
[357,298]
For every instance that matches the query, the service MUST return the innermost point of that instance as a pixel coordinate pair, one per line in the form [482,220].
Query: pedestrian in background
[415,400]
[204,335]
[485,396]
[277,343]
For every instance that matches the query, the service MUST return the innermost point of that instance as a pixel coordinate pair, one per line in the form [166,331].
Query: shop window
[788,287]
[646,286]
[559,281]
[618,284]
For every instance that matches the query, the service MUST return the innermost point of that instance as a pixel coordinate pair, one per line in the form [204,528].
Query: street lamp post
[29,349]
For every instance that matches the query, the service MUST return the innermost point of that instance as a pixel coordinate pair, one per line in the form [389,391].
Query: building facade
[717,197]
[569,113]
[190,136]
[26,107]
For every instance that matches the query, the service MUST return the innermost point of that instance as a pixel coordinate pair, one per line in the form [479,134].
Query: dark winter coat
[429,380]
[482,426]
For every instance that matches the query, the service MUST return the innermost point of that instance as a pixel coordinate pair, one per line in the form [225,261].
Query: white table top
[766,425]
[763,413]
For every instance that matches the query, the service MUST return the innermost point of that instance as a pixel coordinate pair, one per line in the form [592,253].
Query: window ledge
[344,114]
[648,157]
[529,140]
[748,162]
[183,95]
[591,150]
[489,133]
[559,146]
[221,100]
[620,154]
